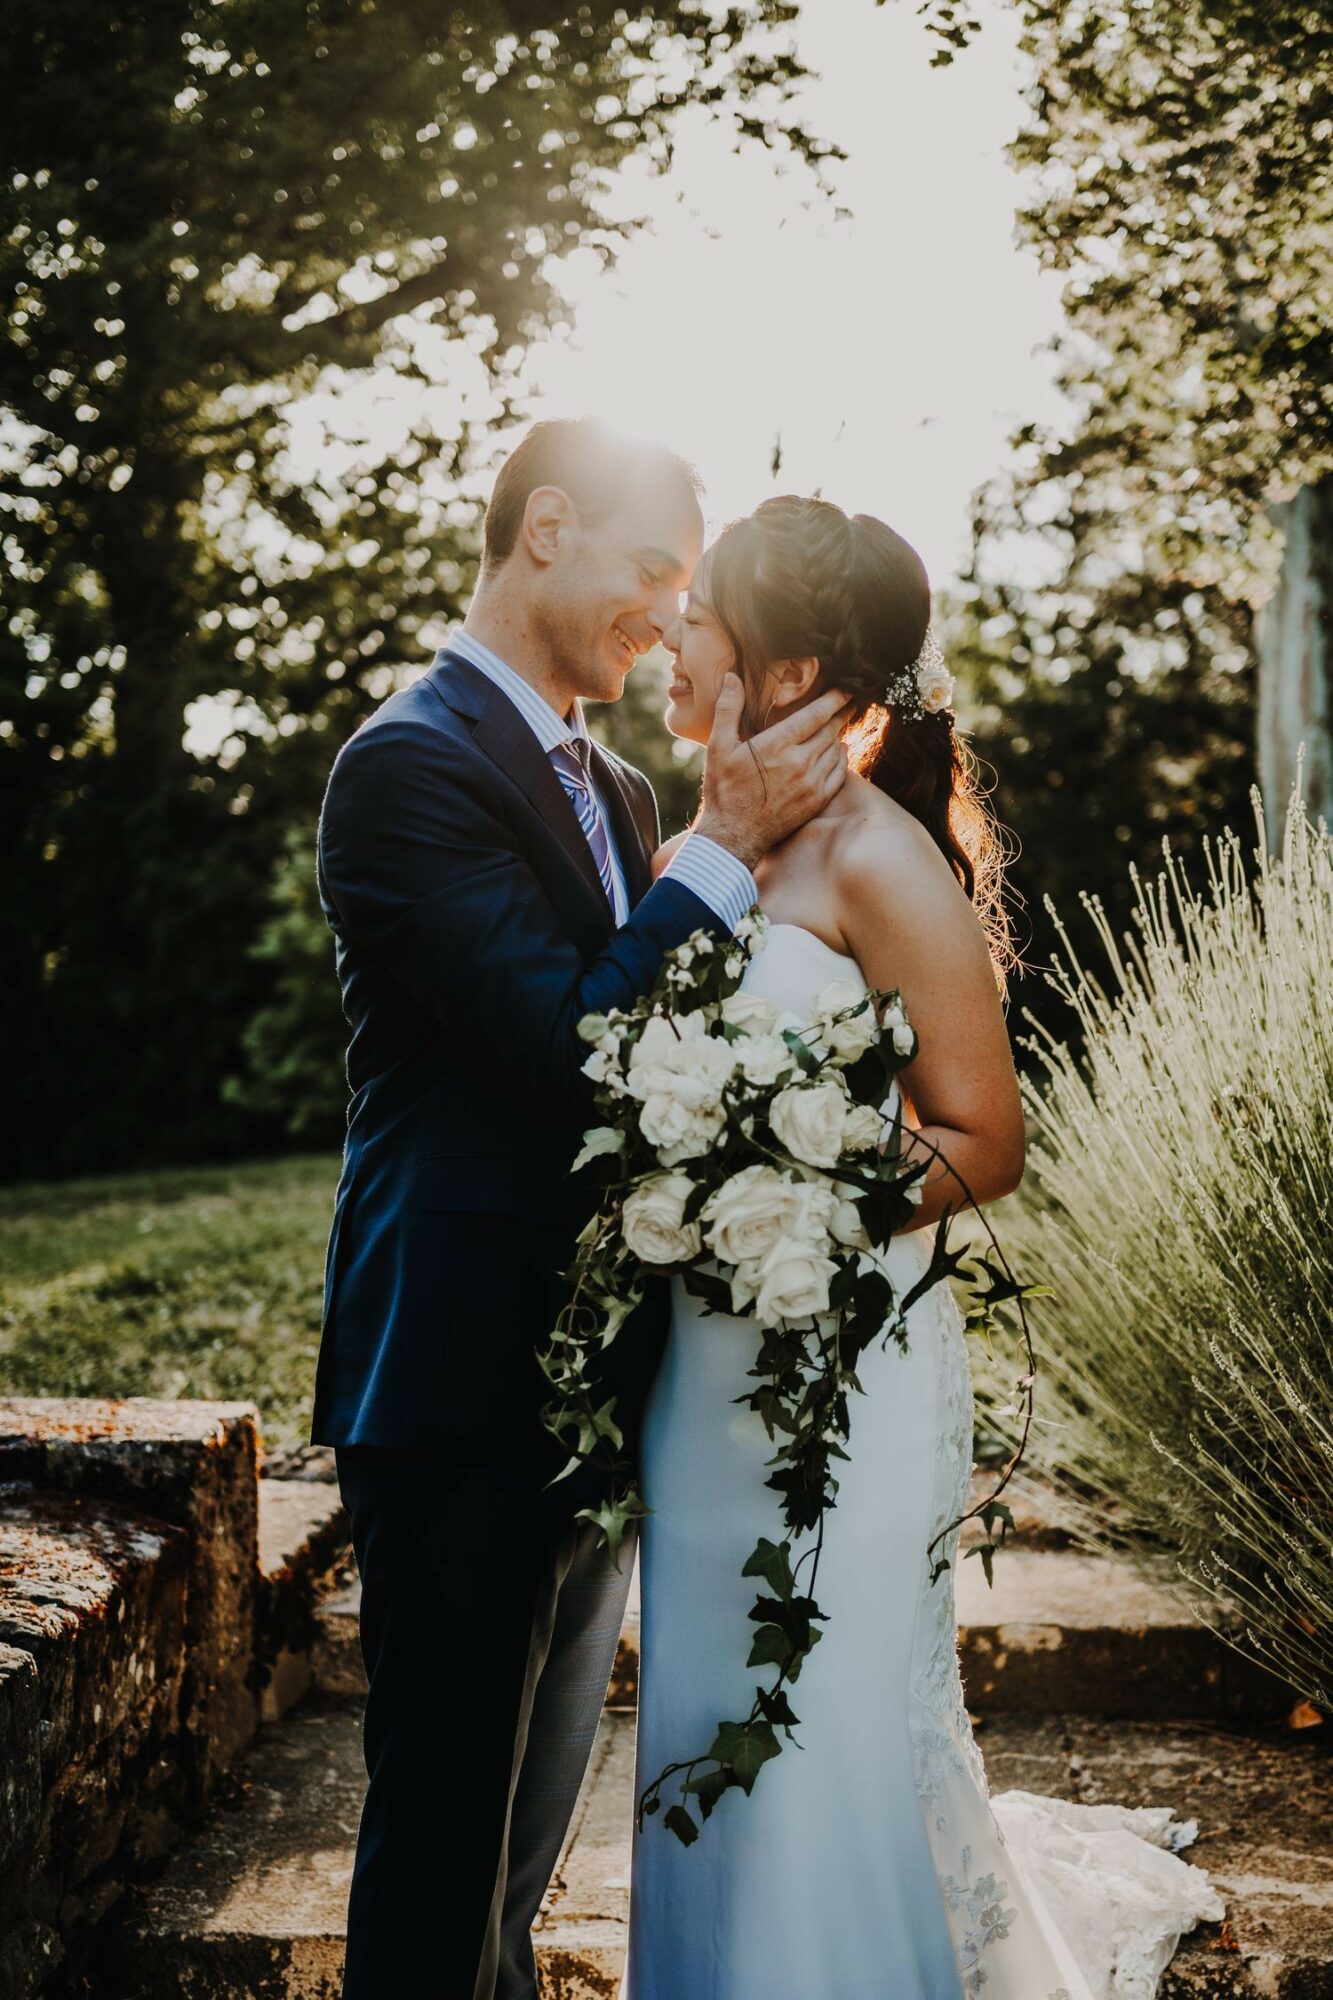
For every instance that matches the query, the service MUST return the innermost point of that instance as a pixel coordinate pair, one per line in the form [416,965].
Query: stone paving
[156,1599]
[257,1907]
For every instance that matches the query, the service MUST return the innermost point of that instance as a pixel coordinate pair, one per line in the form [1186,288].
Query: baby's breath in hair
[924,686]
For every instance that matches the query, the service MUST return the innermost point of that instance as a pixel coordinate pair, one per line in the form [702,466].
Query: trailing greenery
[754,1161]
[1179,1197]
[193,1282]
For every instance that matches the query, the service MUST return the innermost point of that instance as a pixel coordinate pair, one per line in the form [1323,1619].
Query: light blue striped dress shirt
[715,876]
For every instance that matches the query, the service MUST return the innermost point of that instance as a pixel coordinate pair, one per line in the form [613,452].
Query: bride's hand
[758,791]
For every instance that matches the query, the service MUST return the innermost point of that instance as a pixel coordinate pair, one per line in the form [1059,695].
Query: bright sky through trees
[889,335]
[891,346]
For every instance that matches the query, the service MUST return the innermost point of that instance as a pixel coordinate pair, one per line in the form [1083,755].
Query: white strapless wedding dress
[871,1863]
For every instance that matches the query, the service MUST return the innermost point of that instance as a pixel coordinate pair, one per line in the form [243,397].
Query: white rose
[936,691]
[904,1041]
[864,1128]
[749,1011]
[847,1227]
[850,1038]
[653,1223]
[604,1068]
[792,1283]
[837,997]
[693,1066]
[749,1214]
[809,1120]
[679,1131]
[762,1059]
[819,1202]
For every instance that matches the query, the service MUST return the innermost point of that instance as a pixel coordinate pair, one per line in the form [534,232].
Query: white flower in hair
[925,686]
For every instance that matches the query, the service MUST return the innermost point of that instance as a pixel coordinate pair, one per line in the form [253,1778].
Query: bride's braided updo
[800,579]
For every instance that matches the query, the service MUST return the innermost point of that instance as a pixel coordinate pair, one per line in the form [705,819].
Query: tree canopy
[208,212]
[1177,161]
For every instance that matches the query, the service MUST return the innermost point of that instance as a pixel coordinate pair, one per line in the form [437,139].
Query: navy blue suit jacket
[472,936]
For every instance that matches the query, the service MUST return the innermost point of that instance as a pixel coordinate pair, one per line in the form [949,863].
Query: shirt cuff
[715,876]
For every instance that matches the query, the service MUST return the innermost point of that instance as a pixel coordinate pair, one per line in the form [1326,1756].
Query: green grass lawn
[192,1281]
[197,1281]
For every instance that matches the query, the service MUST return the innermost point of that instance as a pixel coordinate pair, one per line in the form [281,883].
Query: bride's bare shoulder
[888,863]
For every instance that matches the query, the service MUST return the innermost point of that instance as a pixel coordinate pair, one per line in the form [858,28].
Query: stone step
[1059,1631]
[257,1903]
[304,1550]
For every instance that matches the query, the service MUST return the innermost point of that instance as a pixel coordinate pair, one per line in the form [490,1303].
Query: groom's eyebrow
[659,559]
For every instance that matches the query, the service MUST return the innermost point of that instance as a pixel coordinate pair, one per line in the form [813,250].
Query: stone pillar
[1294,638]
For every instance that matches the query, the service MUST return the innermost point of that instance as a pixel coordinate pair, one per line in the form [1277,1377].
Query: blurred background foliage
[206,211]
[1178,159]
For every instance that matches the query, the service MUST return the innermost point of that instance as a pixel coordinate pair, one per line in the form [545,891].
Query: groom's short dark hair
[597,467]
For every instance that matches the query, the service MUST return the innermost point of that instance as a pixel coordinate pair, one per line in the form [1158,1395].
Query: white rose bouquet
[748,1152]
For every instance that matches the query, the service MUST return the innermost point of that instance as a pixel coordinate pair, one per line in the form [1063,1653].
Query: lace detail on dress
[1107,1877]
[942,1739]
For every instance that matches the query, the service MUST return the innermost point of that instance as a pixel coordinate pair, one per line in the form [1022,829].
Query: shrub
[1180,1202]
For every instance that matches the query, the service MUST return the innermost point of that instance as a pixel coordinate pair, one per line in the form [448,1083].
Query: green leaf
[601,1139]
[776,1707]
[708,1787]
[681,1825]
[771,1648]
[772,1561]
[986,1550]
[759,1744]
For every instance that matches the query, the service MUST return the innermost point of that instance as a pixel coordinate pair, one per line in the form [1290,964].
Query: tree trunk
[1294,637]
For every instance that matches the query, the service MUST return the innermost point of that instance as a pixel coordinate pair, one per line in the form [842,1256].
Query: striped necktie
[571,763]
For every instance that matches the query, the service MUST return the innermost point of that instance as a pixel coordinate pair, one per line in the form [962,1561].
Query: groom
[485,869]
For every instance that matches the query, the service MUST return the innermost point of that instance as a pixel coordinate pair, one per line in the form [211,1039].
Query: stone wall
[140,1637]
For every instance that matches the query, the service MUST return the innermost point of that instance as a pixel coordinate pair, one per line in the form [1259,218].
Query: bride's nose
[671,636]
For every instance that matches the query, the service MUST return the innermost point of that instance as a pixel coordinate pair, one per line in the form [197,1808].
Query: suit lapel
[500,731]
[630,843]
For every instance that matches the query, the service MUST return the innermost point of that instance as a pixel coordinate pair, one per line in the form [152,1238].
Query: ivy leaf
[759,1744]
[776,1707]
[727,1742]
[986,1550]
[708,1787]
[613,1517]
[772,1561]
[681,1825]
[771,1648]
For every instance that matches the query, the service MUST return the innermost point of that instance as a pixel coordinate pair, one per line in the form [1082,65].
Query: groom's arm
[426,876]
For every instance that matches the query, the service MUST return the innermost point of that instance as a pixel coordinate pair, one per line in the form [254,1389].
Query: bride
[871,1863]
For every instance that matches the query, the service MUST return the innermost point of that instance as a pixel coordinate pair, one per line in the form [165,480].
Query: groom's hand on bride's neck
[758,791]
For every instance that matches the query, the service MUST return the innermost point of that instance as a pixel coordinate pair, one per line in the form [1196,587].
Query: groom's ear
[547,514]
[794,680]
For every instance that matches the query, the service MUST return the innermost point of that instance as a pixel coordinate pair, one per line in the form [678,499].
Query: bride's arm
[910,924]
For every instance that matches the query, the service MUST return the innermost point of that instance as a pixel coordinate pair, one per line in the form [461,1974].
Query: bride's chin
[679,722]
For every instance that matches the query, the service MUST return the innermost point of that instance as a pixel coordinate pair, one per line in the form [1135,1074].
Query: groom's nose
[664,611]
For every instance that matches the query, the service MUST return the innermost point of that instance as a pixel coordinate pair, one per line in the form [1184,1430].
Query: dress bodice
[792,967]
